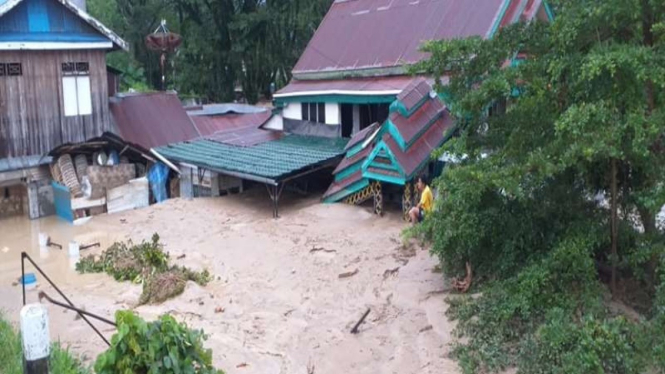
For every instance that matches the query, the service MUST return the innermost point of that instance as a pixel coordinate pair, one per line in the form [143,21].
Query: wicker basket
[69,175]
[81,164]
[55,172]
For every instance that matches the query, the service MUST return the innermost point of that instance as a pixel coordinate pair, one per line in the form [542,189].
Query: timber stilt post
[275,192]
[35,339]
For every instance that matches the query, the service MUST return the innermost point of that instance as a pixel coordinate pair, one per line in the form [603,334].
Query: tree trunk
[614,225]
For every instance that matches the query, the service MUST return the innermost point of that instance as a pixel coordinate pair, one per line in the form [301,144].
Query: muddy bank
[278,303]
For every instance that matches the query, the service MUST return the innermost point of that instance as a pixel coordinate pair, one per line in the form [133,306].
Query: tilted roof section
[379,34]
[152,119]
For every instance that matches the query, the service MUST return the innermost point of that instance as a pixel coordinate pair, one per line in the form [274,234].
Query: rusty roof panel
[152,120]
[336,187]
[348,161]
[365,34]
[208,125]
[362,135]
[421,150]
[245,137]
[414,93]
[409,127]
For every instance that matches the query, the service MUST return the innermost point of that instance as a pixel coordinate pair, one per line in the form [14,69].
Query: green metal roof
[267,162]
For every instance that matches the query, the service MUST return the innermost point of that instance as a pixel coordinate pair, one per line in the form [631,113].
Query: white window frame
[76,90]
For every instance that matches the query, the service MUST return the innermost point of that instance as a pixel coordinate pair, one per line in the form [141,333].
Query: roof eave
[351,73]
[117,41]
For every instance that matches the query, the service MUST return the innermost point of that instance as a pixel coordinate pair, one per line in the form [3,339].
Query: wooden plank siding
[32,119]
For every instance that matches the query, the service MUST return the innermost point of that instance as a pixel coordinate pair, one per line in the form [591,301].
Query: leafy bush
[145,263]
[160,347]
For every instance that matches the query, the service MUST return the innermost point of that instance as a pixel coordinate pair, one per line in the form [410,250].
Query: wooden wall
[32,119]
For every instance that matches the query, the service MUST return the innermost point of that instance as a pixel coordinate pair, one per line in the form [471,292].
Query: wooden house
[53,85]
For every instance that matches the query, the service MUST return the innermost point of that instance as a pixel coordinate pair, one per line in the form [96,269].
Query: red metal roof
[420,150]
[362,34]
[414,93]
[362,135]
[411,126]
[394,85]
[152,120]
[336,187]
[348,161]
[208,125]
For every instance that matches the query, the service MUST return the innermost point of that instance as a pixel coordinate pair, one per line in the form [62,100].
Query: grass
[11,362]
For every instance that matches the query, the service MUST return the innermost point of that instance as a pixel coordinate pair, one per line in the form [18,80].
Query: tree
[585,118]
[250,43]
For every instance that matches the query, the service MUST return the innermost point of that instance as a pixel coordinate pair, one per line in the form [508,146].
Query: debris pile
[145,263]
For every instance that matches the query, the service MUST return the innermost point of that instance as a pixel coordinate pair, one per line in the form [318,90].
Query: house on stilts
[352,81]
[54,89]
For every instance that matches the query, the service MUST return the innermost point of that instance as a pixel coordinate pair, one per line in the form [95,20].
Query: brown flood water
[280,303]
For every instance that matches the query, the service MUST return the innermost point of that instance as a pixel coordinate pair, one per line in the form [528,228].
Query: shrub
[160,347]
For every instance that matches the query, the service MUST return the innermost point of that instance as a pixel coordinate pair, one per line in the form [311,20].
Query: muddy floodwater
[286,292]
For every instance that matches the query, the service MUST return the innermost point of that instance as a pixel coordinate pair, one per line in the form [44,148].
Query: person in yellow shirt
[417,214]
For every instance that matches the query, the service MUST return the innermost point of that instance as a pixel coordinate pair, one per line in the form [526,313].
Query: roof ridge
[85,16]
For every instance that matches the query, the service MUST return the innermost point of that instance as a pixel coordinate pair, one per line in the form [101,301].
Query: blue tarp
[157,176]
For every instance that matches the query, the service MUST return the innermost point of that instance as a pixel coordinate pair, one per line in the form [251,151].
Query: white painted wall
[293,111]
[275,123]
[333,114]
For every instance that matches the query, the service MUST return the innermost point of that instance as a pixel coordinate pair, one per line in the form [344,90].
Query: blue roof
[51,21]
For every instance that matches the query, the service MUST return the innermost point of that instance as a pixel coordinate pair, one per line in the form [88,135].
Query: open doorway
[347,120]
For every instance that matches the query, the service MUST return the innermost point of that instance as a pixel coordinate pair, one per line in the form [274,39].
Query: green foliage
[11,354]
[160,347]
[225,43]
[591,94]
[145,263]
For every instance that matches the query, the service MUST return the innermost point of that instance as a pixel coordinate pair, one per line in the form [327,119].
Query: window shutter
[84,97]
[69,96]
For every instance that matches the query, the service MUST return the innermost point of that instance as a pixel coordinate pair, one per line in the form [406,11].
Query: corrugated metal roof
[365,34]
[414,93]
[24,162]
[152,119]
[348,161]
[246,137]
[422,148]
[272,161]
[46,18]
[411,126]
[209,124]
[390,85]
[337,187]
[362,135]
